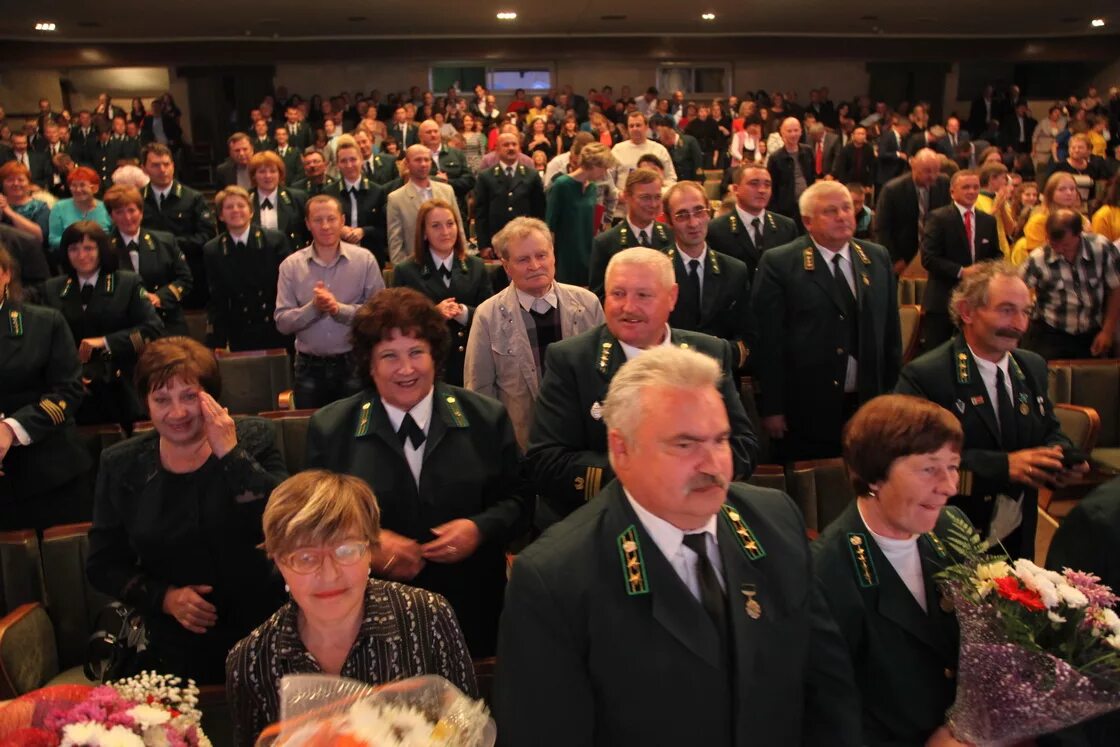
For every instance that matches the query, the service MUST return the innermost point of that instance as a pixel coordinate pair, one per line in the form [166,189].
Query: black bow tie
[132,247]
[410,431]
[445,271]
[267,204]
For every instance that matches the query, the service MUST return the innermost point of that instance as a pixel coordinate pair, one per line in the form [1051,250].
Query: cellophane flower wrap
[427,711]
[148,710]
[1040,650]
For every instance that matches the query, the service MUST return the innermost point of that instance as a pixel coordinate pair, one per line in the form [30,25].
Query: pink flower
[1090,585]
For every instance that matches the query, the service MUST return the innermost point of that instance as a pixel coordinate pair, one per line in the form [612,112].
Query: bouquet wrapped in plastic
[1040,650]
[427,711]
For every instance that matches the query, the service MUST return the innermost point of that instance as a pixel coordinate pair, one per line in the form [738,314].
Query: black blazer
[727,235]
[164,270]
[725,302]
[846,170]
[890,164]
[498,199]
[896,214]
[371,214]
[784,198]
[243,290]
[171,130]
[945,252]
[226,172]
[291,209]
[470,286]
[608,243]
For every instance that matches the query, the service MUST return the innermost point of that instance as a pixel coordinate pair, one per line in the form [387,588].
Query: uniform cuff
[20,432]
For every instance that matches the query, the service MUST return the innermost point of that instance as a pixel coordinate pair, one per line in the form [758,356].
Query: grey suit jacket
[403,206]
[500,361]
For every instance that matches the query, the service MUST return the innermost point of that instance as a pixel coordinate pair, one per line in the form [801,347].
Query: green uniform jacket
[293,164]
[602,644]
[185,213]
[947,375]
[904,658]
[568,440]
[728,235]
[40,388]
[453,163]
[612,241]
[312,189]
[371,214]
[688,158]
[164,270]
[499,199]
[799,359]
[383,170]
[725,302]
[472,469]
[470,286]
[291,207]
[243,290]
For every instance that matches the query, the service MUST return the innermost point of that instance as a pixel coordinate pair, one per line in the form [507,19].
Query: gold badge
[1024,409]
[751,605]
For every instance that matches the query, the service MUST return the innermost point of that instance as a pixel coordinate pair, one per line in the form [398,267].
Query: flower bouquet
[427,711]
[149,710]
[1040,650]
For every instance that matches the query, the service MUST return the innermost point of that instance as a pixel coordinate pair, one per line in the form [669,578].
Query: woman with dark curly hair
[442,461]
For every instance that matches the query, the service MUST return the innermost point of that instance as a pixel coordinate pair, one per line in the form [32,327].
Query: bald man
[903,204]
[449,165]
[404,203]
[791,171]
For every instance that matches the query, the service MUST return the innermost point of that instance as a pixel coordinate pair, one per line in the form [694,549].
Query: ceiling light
[1097,22]
[44,26]
[709,16]
[507,15]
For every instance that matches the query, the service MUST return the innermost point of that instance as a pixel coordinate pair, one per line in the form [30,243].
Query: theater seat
[909,318]
[73,604]
[196,325]
[252,380]
[906,292]
[28,657]
[769,476]
[1094,384]
[292,427]
[484,676]
[821,489]
[21,573]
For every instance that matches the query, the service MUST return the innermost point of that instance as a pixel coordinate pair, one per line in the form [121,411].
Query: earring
[287,589]
[871,493]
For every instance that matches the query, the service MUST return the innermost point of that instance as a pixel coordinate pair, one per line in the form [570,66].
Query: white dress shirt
[632,352]
[421,412]
[670,541]
[268,216]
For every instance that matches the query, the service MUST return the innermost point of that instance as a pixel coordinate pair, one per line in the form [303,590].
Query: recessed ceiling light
[44,26]
[709,16]
[507,15]
[1097,22]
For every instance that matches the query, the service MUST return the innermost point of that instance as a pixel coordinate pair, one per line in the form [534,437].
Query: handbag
[117,647]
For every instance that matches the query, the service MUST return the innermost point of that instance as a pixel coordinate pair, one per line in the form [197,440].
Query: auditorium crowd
[484,307]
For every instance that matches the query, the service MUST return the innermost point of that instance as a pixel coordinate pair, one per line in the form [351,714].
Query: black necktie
[842,286]
[689,299]
[86,294]
[509,172]
[238,245]
[756,232]
[267,204]
[1007,428]
[711,593]
[159,200]
[132,247]
[643,238]
[353,192]
[410,431]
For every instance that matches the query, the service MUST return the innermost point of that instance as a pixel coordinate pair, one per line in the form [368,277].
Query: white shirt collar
[962,209]
[348,185]
[633,352]
[527,301]
[828,254]
[686,258]
[126,240]
[667,537]
[987,369]
[271,197]
[161,193]
[421,412]
[91,280]
[424,192]
[748,217]
[648,229]
[442,262]
[243,237]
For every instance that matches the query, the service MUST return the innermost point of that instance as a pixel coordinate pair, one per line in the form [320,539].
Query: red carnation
[1008,587]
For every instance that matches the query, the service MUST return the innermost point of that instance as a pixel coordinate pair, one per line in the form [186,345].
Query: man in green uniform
[643,202]
[567,443]
[508,190]
[315,178]
[750,229]
[676,609]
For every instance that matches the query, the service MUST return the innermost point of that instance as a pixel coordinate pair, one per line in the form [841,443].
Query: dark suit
[688,159]
[453,163]
[852,166]
[800,358]
[641,665]
[300,140]
[568,441]
[164,270]
[226,174]
[980,113]
[293,165]
[82,146]
[608,243]
[291,207]
[829,148]
[728,235]
[472,469]
[498,199]
[243,290]
[409,135]
[381,169]
[890,163]
[784,197]
[725,302]
[303,185]
[120,312]
[470,286]
[948,376]
[39,164]
[262,144]
[124,148]
[904,657]
[171,131]
[371,214]
[896,214]
[1009,133]
[28,253]
[945,145]
[945,252]
[186,214]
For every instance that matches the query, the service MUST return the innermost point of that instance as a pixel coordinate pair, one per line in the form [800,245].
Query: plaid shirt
[1071,297]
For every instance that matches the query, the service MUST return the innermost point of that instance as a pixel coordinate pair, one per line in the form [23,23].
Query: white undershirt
[904,557]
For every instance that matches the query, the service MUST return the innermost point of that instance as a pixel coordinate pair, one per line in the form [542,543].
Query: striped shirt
[1071,297]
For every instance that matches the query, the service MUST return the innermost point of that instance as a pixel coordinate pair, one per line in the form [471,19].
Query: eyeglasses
[683,216]
[307,560]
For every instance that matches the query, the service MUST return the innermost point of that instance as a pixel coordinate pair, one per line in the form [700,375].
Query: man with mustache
[675,608]
[567,451]
[1013,444]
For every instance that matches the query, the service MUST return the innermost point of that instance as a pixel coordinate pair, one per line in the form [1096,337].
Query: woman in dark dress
[441,270]
[442,461]
[110,318]
[42,464]
[177,516]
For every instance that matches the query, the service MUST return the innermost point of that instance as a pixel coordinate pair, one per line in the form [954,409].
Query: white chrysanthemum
[84,733]
[1055,617]
[1038,582]
[120,736]
[1111,620]
[1022,565]
[147,715]
[1072,596]
[1114,641]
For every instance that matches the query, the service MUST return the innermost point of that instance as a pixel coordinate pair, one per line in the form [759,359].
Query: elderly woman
[177,516]
[42,463]
[443,462]
[81,205]
[570,212]
[876,562]
[322,531]
[441,269]
[110,317]
[1060,192]
[154,255]
[18,208]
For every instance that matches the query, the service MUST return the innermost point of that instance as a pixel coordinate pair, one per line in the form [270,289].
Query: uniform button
[841,317]
[510,209]
[462,333]
[836,383]
[949,673]
[511,194]
[462,349]
[264,306]
[839,351]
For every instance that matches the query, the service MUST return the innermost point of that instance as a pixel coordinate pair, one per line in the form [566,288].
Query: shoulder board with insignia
[1016,371]
[15,323]
[178,189]
[463,264]
[715,261]
[456,411]
[660,228]
[770,220]
[807,258]
[633,568]
[109,282]
[363,421]
[622,233]
[66,288]
[733,221]
[861,560]
[148,240]
[748,542]
[604,357]
[285,197]
[962,368]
